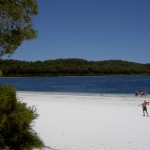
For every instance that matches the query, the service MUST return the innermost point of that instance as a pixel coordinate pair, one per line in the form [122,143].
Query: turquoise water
[102,84]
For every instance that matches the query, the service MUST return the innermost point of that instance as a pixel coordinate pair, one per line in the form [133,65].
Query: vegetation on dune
[72,67]
[16,122]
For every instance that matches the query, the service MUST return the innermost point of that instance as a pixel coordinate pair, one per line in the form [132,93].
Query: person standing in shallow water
[144,106]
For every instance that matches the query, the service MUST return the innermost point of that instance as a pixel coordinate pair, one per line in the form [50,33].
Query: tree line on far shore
[72,67]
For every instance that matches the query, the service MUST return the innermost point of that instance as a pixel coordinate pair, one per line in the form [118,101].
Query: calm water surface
[102,84]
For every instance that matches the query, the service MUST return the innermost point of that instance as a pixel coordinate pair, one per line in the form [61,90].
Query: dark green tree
[16,24]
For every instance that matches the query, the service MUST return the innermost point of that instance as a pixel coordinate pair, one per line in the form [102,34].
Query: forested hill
[72,67]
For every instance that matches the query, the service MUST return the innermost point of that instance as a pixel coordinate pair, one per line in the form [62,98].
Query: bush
[16,122]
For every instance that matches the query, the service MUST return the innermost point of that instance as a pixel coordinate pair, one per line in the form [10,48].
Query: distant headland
[71,67]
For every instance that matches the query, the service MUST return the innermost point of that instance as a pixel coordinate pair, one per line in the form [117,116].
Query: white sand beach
[72,121]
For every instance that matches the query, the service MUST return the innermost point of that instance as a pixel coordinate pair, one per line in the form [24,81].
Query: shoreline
[87,94]
[75,76]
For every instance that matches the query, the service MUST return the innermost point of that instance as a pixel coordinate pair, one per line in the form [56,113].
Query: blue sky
[91,30]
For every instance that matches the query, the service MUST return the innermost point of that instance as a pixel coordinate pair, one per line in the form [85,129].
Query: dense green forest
[72,67]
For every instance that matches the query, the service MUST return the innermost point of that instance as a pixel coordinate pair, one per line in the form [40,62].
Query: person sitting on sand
[144,106]
[136,93]
[143,93]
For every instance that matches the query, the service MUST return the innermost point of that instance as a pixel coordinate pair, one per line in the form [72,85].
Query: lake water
[101,84]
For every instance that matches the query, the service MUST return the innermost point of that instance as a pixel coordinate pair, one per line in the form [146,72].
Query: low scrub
[16,122]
